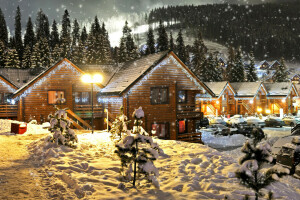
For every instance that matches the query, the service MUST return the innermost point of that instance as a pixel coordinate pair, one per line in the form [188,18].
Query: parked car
[217,120]
[237,120]
[255,122]
[219,129]
[274,122]
[291,120]
[202,123]
[289,156]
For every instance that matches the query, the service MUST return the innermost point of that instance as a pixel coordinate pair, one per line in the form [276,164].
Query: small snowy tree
[281,73]
[137,154]
[60,127]
[251,173]
[119,127]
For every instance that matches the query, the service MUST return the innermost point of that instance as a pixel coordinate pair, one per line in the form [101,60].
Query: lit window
[182,96]
[54,95]
[182,127]
[82,97]
[160,130]
[159,95]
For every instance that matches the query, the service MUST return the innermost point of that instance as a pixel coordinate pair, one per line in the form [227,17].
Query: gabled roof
[246,89]
[279,89]
[6,81]
[133,71]
[273,63]
[216,87]
[107,71]
[43,74]
[17,77]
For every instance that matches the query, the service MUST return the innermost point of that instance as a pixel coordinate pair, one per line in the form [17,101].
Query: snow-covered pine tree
[199,51]
[251,173]
[12,59]
[84,35]
[119,129]
[55,54]
[42,26]
[180,47]
[60,127]
[44,52]
[2,54]
[29,37]
[3,29]
[137,154]
[106,46]
[18,34]
[75,33]
[281,73]
[162,40]
[65,35]
[218,75]
[171,42]
[150,41]
[122,54]
[76,53]
[54,36]
[26,61]
[237,71]
[35,58]
[230,63]
[252,75]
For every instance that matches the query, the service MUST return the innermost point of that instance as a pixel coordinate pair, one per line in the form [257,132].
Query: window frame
[56,91]
[185,94]
[80,96]
[159,94]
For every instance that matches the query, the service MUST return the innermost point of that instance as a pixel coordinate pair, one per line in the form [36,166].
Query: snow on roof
[281,89]
[131,71]
[107,71]
[17,77]
[216,87]
[246,88]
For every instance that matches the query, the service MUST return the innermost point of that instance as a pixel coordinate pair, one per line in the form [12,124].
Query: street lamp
[96,78]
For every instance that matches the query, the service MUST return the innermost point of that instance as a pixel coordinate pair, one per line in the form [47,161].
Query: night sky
[86,9]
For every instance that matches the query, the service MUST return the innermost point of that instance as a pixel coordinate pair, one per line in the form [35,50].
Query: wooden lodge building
[173,98]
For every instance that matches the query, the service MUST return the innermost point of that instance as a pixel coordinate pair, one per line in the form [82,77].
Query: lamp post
[96,78]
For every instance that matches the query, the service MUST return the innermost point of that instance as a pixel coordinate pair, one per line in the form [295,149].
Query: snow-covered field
[91,171]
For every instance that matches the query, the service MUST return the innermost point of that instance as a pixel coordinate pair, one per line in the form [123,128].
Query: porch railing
[187,111]
[85,111]
[8,110]
[190,137]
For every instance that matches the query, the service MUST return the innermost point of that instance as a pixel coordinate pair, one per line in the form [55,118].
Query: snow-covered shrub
[60,127]
[137,154]
[251,173]
[138,114]
[119,127]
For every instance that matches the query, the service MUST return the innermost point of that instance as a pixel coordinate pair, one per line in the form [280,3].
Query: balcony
[85,111]
[8,111]
[188,111]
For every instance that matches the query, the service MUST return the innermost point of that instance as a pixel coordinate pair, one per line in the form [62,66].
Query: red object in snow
[18,128]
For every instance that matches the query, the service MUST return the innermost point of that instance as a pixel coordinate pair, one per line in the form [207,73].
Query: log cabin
[7,107]
[282,96]
[36,99]
[164,87]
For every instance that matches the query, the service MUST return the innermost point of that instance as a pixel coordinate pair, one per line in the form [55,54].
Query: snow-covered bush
[60,127]
[251,173]
[137,154]
[119,127]
[138,114]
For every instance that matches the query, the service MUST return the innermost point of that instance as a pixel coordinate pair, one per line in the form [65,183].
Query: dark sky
[85,9]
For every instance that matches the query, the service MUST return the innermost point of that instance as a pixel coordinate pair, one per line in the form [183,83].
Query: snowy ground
[91,171]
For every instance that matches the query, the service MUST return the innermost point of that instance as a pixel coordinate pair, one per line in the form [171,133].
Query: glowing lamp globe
[86,78]
[97,78]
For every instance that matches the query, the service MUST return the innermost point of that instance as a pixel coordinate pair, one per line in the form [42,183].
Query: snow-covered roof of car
[216,87]
[247,89]
[278,89]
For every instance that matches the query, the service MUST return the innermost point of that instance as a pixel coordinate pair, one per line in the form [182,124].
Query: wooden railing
[85,111]
[187,111]
[77,121]
[190,137]
[248,107]
[8,110]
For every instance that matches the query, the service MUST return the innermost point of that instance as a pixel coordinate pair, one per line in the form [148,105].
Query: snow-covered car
[255,122]
[291,120]
[237,120]
[289,155]
[219,129]
[274,122]
[217,120]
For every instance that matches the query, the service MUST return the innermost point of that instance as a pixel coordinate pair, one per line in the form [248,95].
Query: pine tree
[218,75]
[251,75]
[199,51]
[237,73]
[54,36]
[137,154]
[122,54]
[281,74]
[18,34]
[3,29]
[55,54]
[12,59]
[84,35]
[29,37]
[106,46]
[75,33]
[42,26]
[35,57]
[26,57]
[44,53]
[162,40]
[181,50]
[150,42]
[256,155]
[128,50]
[119,129]
[230,63]
[172,45]
[66,35]
[2,54]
